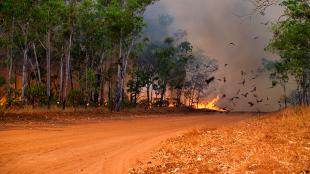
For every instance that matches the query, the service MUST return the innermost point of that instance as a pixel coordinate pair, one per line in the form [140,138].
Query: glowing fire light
[3,101]
[210,105]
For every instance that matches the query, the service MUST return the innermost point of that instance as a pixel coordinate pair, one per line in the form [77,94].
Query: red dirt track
[110,146]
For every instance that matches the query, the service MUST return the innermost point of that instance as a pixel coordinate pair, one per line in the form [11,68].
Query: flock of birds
[244,92]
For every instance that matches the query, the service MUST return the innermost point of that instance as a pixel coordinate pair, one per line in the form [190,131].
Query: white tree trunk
[48,68]
[68,55]
[61,78]
[37,62]
[118,91]
[10,66]
[24,73]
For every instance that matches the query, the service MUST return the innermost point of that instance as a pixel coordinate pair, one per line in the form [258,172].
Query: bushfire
[3,101]
[211,104]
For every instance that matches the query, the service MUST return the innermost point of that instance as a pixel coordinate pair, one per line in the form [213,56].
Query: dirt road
[111,146]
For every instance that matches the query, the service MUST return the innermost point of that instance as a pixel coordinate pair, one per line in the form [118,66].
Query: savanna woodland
[97,54]
[93,54]
[112,86]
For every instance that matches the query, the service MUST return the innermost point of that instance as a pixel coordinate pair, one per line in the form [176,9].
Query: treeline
[93,53]
[291,42]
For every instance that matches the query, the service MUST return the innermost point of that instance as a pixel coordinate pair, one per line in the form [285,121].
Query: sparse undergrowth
[278,143]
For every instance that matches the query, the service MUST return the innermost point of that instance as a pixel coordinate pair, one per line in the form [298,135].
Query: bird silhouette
[210,80]
[245,95]
[254,95]
[232,44]
[256,37]
[226,65]
[259,101]
[251,104]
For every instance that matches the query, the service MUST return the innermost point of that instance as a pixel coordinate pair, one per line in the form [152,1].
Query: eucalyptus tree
[184,52]
[146,63]
[126,21]
[7,27]
[291,42]
[94,41]
[48,15]
[164,64]
[68,31]
[20,15]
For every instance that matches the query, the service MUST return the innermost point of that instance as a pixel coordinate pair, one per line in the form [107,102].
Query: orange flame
[210,105]
[3,101]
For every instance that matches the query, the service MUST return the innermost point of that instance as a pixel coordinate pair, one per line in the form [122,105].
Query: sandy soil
[109,146]
[276,143]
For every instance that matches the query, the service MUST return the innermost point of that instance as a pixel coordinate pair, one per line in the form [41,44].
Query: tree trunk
[10,66]
[148,95]
[120,78]
[101,95]
[179,94]
[162,95]
[285,97]
[110,96]
[61,79]
[68,55]
[48,68]
[121,73]
[24,74]
[71,79]
[37,62]
[151,97]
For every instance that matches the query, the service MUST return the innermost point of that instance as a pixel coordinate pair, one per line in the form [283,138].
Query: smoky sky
[211,26]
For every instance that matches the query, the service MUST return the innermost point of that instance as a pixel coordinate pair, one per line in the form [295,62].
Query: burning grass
[277,143]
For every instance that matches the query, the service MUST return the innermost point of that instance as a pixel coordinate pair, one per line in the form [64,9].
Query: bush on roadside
[36,94]
[76,98]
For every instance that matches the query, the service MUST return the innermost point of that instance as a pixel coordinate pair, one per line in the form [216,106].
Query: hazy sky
[213,24]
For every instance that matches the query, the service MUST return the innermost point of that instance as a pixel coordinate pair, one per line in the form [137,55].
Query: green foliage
[98,30]
[36,94]
[76,97]
[291,42]
[14,100]
[135,85]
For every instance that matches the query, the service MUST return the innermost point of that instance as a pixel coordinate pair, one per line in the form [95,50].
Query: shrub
[36,94]
[15,99]
[76,97]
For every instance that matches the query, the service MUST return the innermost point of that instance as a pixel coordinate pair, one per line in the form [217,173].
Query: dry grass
[276,143]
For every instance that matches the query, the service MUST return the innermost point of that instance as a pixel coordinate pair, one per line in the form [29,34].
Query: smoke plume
[232,33]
